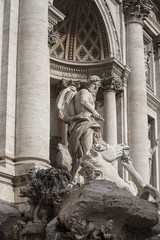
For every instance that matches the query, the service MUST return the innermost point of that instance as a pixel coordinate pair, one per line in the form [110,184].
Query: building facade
[44,43]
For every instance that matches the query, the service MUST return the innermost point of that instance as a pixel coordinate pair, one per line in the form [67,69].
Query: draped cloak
[78,125]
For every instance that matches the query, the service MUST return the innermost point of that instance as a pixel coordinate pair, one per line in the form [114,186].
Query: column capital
[54,16]
[136,10]
[113,84]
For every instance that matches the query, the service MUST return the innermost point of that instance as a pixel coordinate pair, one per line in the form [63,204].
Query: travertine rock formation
[101,210]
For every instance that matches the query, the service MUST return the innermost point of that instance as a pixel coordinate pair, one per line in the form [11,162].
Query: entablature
[79,71]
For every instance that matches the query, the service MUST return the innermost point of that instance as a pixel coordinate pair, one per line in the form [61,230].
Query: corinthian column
[111,86]
[33,84]
[135,13]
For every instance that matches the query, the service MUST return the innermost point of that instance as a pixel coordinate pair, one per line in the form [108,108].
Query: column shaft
[110,116]
[137,100]
[33,85]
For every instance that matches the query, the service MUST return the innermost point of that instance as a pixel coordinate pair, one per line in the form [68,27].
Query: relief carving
[80,229]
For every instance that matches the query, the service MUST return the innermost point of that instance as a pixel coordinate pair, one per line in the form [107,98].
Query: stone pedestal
[137,96]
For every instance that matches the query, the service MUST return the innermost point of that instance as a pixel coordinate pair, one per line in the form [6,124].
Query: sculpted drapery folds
[77,109]
[91,156]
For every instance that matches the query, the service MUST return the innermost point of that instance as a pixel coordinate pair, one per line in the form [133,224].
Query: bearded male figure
[77,109]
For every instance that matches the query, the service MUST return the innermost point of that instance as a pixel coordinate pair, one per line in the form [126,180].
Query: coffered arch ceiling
[83,36]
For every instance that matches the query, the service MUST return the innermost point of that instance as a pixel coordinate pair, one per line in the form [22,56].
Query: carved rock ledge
[101,210]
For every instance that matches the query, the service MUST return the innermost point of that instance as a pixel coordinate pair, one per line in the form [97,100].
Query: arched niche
[82,34]
[87,34]
[88,42]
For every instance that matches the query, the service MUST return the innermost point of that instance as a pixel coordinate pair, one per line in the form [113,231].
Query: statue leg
[87,140]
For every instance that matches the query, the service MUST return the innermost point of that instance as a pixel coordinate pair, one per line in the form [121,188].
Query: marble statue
[98,164]
[77,109]
[152,150]
[91,156]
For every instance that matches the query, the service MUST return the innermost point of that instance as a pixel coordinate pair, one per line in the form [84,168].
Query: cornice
[55,14]
[79,71]
[151,26]
[85,64]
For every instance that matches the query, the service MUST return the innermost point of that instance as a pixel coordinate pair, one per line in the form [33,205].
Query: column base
[15,175]
[7,175]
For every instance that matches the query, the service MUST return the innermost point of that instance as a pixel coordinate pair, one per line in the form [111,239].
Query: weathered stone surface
[9,215]
[53,232]
[101,196]
[101,201]
[33,230]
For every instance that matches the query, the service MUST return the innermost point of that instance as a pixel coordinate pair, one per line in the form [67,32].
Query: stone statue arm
[136,178]
[85,102]
[155,145]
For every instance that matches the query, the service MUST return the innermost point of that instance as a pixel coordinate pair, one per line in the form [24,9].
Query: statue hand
[126,162]
[97,116]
